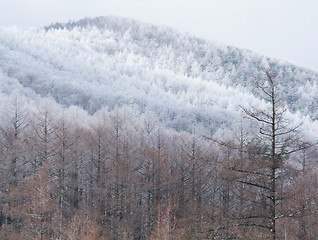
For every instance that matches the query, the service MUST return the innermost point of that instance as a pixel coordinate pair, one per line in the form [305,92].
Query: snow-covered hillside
[110,61]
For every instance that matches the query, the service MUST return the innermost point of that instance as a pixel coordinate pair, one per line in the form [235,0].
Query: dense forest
[122,174]
[111,62]
[115,129]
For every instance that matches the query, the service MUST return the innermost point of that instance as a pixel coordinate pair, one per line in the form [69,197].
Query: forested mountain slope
[109,61]
[92,145]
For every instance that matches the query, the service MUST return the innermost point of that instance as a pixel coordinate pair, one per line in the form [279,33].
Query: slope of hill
[117,165]
[109,61]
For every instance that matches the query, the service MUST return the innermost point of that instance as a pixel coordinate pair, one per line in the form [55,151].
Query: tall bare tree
[276,140]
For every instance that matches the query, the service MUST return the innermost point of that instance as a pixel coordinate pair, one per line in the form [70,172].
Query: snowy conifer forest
[115,129]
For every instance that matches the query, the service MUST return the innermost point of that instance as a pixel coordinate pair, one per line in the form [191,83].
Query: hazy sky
[287,29]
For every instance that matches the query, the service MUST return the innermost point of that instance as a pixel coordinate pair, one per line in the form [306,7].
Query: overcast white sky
[287,29]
